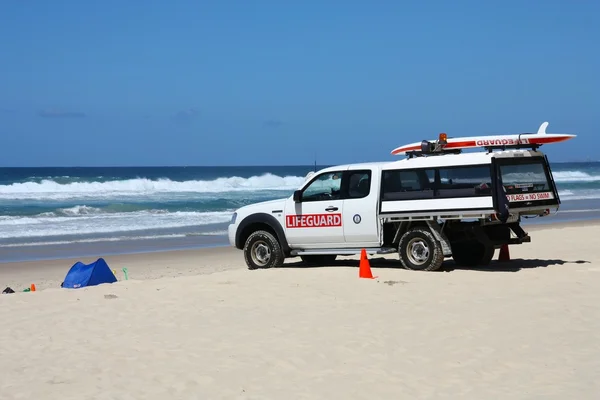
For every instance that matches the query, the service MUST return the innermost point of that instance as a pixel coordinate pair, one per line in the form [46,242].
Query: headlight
[233,217]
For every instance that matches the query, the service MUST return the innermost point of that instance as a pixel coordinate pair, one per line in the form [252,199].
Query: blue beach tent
[81,275]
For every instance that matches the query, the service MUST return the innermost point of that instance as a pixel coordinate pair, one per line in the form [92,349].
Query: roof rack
[532,146]
[420,153]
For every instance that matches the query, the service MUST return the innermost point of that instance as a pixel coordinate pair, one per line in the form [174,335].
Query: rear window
[530,176]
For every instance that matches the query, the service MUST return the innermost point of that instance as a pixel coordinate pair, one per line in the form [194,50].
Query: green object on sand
[27,290]
[125,272]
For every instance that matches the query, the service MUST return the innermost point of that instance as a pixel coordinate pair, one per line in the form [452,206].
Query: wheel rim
[261,253]
[418,251]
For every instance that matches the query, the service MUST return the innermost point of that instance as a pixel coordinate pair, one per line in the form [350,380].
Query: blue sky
[274,82]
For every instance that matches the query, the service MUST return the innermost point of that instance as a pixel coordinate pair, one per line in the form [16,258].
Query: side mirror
[297,196]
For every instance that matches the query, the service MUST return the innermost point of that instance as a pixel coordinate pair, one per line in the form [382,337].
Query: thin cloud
[273,123]
[186,115]
[53,113]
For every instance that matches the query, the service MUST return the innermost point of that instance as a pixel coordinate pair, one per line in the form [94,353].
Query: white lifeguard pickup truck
[438,202]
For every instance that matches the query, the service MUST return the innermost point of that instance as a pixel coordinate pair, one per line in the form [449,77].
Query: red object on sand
[504,253]
[364,267]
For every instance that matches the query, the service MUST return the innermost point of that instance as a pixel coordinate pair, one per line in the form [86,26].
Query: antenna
[315,161]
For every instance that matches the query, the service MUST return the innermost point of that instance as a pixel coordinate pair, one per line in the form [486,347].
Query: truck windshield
[525,176]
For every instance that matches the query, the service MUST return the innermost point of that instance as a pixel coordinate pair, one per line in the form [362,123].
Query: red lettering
[313,220]
[529,196]
[500,142]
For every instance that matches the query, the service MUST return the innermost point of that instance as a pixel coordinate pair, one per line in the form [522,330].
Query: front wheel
[262,250]
[419,250]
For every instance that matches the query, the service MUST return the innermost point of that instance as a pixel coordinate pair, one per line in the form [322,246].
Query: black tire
[472,253]
[262,250]
[318,259]
[420,251]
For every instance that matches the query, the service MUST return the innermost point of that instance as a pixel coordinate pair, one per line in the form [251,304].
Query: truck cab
[332,213]
[335,208]
[427,207]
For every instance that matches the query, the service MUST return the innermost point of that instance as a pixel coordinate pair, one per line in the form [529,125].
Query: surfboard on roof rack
[454,145]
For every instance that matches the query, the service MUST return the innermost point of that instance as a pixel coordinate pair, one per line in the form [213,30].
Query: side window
[405,184]
[468,181]
[325,187]
[416,180]
[359,184]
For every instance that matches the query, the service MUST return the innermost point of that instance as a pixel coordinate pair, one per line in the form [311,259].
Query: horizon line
[178,166]
[232,165]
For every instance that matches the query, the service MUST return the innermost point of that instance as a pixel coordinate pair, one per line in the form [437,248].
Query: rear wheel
[319,259]
[262,250]
[419,250]
[472,253]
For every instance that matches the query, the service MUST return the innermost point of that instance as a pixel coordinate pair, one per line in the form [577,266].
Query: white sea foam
[111,239]
[574,176]
[588,210]
[559,177]
[49,189]
[46,225]
[579,194]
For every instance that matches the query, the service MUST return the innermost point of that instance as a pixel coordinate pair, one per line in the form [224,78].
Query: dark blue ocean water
[66,206]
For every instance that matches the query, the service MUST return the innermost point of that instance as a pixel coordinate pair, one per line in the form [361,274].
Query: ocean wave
[50,189]
[574,176]
[85,224]
[74,211]
[590,194]
[81,213]
[112,239]
[587,211]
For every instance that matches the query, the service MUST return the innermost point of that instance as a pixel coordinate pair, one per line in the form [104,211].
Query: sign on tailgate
[530,196]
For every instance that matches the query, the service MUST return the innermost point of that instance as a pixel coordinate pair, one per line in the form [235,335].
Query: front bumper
[231,229]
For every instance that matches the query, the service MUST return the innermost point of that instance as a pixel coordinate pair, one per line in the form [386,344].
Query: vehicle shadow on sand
[376,262]
[513,265]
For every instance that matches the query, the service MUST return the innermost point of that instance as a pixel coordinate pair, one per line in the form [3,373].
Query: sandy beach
[196,324]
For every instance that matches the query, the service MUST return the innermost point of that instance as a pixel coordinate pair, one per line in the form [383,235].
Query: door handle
[331,209]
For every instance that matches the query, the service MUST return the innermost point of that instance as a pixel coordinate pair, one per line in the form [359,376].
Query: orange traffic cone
[364,267]
[32,288]
[504,254]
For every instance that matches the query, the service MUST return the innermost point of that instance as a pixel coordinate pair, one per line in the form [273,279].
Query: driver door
[316,221]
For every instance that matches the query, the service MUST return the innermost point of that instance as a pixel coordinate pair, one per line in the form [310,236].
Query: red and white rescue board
[539,138]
